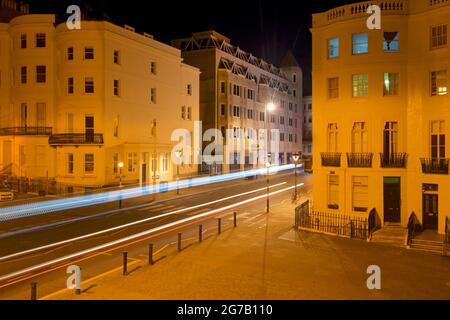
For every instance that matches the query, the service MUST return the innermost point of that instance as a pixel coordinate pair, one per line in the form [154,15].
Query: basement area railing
[331,223]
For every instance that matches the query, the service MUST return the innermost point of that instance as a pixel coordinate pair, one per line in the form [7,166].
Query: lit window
[41,74]
[439,83]
[333,88]
[89,163]
[89,85]
[89,53]
[438,36]
[390,87]
[40,40]
[360,43]
[360,192]
[390,43]
[333,48]
[360,85]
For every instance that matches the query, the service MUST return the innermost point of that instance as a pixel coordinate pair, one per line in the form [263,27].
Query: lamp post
[120,165]
[296,158]
[269,108]
[268,165]
[178,155]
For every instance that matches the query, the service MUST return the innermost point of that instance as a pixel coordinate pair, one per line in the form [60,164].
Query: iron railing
[331,223]
[330,159]
[359,160]
[393,160]
[76,139]
[26,131]
[374,222]
[434,166]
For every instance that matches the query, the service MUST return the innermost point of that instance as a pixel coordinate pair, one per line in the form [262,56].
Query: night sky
[267,29]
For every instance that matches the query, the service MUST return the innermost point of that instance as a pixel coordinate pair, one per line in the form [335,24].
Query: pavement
[265,258]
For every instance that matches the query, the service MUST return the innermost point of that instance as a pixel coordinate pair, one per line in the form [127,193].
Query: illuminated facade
[76,103]
[235,90]
[381,112]
[307,126]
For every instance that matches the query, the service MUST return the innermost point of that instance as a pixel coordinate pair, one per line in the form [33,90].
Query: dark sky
[265,28]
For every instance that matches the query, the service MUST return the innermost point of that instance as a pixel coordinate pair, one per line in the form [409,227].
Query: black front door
[430,211]
[392,202]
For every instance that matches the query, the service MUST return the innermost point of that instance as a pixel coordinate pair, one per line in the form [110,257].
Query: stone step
[427,250]
[427,242]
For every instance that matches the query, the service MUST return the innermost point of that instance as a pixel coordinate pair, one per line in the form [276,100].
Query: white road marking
[15,255]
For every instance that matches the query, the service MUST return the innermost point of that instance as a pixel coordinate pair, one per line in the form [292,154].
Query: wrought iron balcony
[393,160]
[26,131]
[76,139]
[359,160]
[434,166]
[330,159]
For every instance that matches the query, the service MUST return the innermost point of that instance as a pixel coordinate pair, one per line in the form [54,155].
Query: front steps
[427,246]
[391,234]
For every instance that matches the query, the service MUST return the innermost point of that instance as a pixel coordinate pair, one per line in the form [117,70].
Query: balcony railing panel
[26,131]
[359,160]
[434,166]
[331,159]
[393,160]
[75,139]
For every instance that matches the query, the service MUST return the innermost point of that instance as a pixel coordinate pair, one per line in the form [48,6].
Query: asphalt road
[107,221]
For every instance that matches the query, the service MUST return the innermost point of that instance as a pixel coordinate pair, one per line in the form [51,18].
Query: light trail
[56,244]
[139,235]
[39,208]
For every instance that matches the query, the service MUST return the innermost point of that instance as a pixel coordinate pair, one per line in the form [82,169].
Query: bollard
[200,233]
[179,242]
[125,263]
[150,254]
[235,219]
[34,291]
[219,225]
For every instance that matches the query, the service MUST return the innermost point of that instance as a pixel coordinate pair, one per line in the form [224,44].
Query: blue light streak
[39,208]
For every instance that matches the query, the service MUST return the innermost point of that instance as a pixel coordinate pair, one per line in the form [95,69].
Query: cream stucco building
[76,103]
[381,115]
[235,90]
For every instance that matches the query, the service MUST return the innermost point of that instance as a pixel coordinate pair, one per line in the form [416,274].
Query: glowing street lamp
[178,155]
[296,158]
[120,165]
